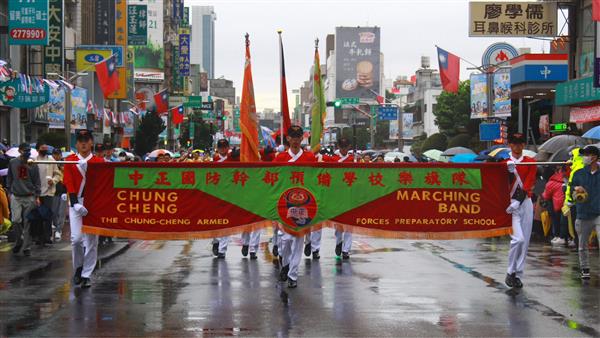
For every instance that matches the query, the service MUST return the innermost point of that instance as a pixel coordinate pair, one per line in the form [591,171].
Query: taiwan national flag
[161,100]
[108,76]
[177,115]
[449,70]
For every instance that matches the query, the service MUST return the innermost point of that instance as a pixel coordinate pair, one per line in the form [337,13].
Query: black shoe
[283,274]
[345,255]
[316,255]
[585,274]
[77,276]
[86,282]
[338,249]
[215,249]
[16,249]
[245,250]
[518,283]
[292,284]
[221,255]
[510,280]
[307,249]
[253,255]
[275,250]
[26,252]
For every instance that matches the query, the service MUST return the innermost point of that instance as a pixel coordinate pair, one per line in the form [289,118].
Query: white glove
[513,207]
[63,197]
[80,209]
[511,166]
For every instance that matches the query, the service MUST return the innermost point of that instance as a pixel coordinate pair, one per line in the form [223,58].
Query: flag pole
[279,31]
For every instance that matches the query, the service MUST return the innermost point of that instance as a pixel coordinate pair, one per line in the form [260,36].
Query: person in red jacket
[554,193]
[291,246]
[219,244]
[84,246]
[522,180]
[343,239]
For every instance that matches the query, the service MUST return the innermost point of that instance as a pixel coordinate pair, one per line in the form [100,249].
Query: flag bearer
[291,246]
[219,245]
[522,180]
[84,246]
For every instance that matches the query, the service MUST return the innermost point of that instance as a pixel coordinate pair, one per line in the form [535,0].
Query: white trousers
[277,234]
[291,253]
[223,242]
[84,247]
[522,222]
[252,239]
[315,240]
[346,237]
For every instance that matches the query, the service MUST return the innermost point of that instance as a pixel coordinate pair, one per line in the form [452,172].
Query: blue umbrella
[463,158]
[593,133]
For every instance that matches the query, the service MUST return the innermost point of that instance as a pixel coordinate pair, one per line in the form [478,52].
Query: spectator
[49,176]
[59,208]
[586,188]
[555,197]
[23,182]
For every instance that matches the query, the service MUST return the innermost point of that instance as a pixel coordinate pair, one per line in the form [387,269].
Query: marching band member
[84,246]
[219,247]
[522,179]
[291,246]
[343,239]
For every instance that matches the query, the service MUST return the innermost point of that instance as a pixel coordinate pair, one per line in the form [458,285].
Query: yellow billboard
[85,59]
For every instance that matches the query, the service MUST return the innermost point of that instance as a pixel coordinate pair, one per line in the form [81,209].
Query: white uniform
[84,246]
[223,241]
[346,238]
[252,240]
[522,223]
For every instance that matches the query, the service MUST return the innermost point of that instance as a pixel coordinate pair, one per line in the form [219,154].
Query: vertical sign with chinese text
[184,52]
[28,22]
[137,25]
[53,52]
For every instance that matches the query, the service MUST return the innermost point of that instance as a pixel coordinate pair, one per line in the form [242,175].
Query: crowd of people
[42,189]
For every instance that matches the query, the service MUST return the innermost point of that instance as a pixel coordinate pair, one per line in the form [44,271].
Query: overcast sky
[409,29]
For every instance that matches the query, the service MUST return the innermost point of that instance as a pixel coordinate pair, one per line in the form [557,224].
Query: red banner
[200,200]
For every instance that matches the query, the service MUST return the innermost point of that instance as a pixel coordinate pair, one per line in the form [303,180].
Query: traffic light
[337,103]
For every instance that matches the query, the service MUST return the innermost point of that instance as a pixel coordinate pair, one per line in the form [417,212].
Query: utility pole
[169,37]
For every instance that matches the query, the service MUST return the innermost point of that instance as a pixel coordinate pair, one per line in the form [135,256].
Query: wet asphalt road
[388,288]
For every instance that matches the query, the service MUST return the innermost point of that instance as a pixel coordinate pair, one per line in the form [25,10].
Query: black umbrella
[561,141]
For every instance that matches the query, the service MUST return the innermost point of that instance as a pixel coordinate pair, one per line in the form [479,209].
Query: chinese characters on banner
[513,19]
[405,201]
[184,53]
[137,24]
[53,52]
[28,22]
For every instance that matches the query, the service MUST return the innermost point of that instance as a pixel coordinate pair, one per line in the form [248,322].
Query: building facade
[203,38]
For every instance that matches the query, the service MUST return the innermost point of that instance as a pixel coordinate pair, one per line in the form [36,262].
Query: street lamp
[68,106]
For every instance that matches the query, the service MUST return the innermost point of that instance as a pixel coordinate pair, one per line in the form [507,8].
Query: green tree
[436,141]
[416,147]
[453,112]
[203,134]
[57,140]
[146,135]
[460,140]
